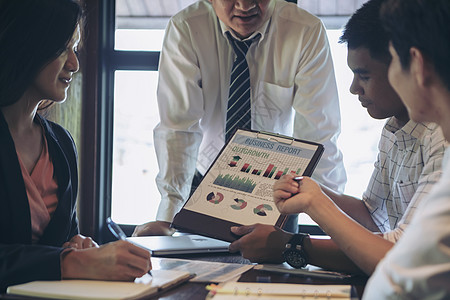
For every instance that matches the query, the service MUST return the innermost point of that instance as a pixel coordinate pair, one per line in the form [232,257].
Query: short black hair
[423,24]
[32,34]
[364,29]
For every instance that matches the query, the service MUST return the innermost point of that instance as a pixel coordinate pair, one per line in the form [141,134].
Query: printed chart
[238,187]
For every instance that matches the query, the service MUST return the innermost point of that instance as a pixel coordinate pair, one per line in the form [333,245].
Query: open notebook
[181,244]
[107,290]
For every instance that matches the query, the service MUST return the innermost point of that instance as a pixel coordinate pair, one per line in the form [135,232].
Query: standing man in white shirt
[292,87]
[418,266]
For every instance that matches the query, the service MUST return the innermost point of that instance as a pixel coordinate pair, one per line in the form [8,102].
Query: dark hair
[423,24]
[32,34]
[364,29]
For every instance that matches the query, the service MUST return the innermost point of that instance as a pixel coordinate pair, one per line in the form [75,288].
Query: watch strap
[296,239]
[294,253]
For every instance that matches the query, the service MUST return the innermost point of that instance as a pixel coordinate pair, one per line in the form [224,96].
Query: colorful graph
[260,210]
[271,169]
[214,198]
[234,161]
[241,204]
[235,182]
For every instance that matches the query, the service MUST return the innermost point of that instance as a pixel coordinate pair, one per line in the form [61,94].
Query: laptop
[180,244]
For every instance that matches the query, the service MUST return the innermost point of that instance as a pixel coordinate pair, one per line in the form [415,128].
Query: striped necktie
[239,104]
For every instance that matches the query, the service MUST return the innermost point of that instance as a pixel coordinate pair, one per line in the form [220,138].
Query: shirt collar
[407,134]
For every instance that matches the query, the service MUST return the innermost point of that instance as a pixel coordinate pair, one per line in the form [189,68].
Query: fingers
[139,230]
[235,246]
[259,243]
[285,188]
[242,230]
[88,242]
[80,242]
[119,260]
[239,230]
[131,259]
[153,228]
[70,245]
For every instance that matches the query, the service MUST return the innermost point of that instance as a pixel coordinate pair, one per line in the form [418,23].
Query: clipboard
[237,188]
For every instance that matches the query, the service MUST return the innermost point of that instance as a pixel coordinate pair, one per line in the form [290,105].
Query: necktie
[239,104]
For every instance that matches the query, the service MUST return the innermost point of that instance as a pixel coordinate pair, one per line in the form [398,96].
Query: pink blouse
[42,191]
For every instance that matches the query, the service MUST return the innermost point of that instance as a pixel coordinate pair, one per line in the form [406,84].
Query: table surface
[197,291]
[194,291]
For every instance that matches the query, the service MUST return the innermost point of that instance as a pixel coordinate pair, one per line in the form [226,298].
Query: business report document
[237,188]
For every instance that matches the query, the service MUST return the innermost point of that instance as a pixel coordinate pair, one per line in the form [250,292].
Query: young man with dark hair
[419,265]
[408,165]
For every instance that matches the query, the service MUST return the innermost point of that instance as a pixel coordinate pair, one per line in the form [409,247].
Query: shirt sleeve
[315,86]
[24,263]
[178,135]
[431,173]
[418,266]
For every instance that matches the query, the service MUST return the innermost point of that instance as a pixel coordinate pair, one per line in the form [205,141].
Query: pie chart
[214,198]
[260,210]
[240,204]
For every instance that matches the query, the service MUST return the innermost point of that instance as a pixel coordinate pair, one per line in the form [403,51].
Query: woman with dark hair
[39,235]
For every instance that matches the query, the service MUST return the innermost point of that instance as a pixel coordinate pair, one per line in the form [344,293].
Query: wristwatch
[294,254]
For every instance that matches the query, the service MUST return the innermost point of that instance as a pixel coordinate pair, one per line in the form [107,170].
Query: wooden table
[197,291]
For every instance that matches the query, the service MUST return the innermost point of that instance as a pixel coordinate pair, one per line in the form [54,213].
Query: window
[130,78]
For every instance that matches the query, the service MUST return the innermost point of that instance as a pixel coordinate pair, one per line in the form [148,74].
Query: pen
[118,232]
[298,178]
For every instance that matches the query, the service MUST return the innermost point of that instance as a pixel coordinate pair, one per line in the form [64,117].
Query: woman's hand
[119,260]
[80,242]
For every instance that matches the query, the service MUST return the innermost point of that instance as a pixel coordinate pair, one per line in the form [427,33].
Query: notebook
[105,290]
[180,244]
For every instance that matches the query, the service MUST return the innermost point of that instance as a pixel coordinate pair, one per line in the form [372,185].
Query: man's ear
[421,70]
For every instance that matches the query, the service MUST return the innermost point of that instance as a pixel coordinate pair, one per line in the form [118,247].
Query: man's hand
[153,228]
[80,242]
[293,197]
[260,243]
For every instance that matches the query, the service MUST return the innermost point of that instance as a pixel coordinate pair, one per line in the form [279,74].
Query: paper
[205,271]
[275,291]
[104,290]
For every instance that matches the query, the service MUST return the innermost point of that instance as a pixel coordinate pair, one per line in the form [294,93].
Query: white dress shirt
[293,92]
[409,163]
[418,266]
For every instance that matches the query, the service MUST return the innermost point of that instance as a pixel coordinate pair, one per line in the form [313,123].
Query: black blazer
[20,261]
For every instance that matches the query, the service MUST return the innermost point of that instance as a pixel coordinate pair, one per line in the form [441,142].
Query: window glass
[139,39]
[135,197]
[140,24]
